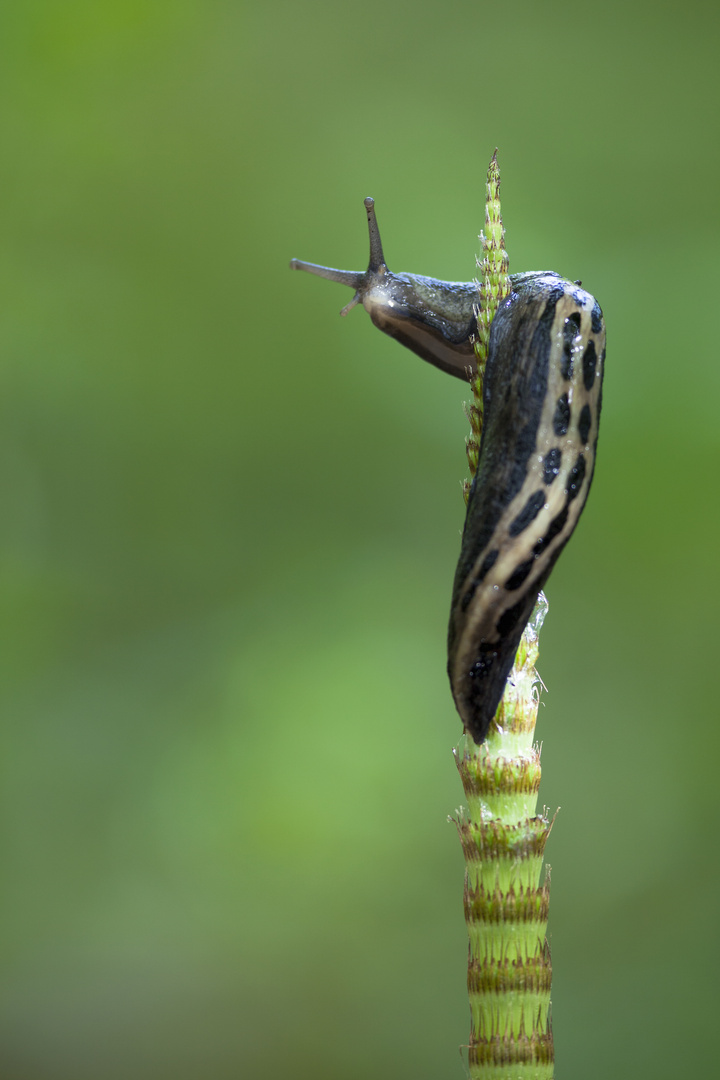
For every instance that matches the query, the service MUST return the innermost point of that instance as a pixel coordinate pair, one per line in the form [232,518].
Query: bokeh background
[230,521]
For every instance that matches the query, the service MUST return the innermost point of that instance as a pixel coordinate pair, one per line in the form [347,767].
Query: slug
[541,407]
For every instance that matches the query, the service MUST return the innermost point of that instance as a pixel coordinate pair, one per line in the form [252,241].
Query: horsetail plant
[506,908]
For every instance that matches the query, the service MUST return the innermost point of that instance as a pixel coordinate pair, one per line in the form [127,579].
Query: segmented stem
[493,287]
[506,908]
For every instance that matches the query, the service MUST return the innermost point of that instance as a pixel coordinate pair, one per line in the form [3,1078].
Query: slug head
[435,319]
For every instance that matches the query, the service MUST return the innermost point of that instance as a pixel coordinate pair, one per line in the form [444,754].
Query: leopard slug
[541,405]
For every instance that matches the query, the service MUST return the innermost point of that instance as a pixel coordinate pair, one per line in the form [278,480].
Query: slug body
[542,396]
[541,408]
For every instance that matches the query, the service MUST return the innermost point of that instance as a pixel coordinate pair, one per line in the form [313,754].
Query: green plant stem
[506,908]
[493,286]
[503,840]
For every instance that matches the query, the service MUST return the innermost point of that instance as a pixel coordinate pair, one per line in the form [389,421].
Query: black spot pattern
[599,408]
[566,364]
[556,526]
[585,423]
[570,332]
[519,574]
[529,512]
[589,363]
[576,477]
[561,419]
[508,621]
[551,464]
[487,565]
[596,318]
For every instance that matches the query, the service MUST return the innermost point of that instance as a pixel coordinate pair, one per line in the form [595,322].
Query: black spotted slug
[541,406]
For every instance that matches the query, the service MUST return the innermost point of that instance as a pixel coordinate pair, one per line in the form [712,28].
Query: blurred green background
[230,522]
